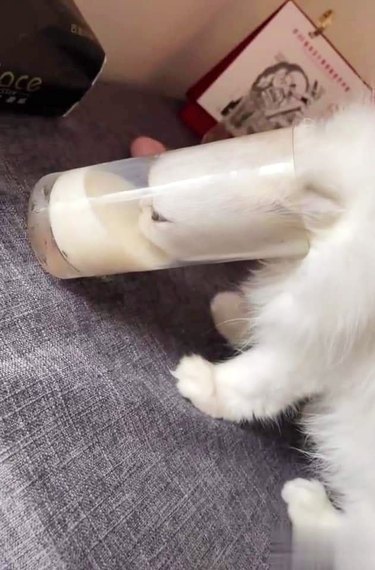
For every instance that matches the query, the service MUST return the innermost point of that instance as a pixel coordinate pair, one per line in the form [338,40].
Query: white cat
[311,327]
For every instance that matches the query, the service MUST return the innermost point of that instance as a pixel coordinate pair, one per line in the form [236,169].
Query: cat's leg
[228,311]
[259,383]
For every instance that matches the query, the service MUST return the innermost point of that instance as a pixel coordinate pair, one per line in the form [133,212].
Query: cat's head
[335,166]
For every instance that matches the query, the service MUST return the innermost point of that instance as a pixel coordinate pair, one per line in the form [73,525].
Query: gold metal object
[324,22]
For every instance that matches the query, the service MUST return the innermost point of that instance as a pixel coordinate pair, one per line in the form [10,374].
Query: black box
[49,57]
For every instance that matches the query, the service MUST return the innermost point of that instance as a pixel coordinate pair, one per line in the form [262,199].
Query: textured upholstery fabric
[102,464]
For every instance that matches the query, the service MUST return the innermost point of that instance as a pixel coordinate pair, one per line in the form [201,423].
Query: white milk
[96,232]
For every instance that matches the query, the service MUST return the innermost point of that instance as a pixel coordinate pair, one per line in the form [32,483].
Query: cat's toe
[308,493]
[196,382]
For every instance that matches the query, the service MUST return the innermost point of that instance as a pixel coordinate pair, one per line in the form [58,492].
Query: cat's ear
[317,207]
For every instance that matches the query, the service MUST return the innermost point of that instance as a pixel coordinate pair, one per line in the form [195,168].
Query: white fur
[311,324]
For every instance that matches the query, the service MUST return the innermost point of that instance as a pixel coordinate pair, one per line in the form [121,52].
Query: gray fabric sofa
[102,464]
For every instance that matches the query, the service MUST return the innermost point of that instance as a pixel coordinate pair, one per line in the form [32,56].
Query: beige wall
[168,44]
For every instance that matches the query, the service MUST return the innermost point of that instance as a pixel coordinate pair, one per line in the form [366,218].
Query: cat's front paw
[196,382]
[308,504]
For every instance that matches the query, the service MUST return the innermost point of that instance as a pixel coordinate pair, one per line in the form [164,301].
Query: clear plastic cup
[224,201]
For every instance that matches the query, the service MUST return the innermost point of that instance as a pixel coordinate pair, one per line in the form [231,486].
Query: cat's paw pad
[308,503]
[196,382]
